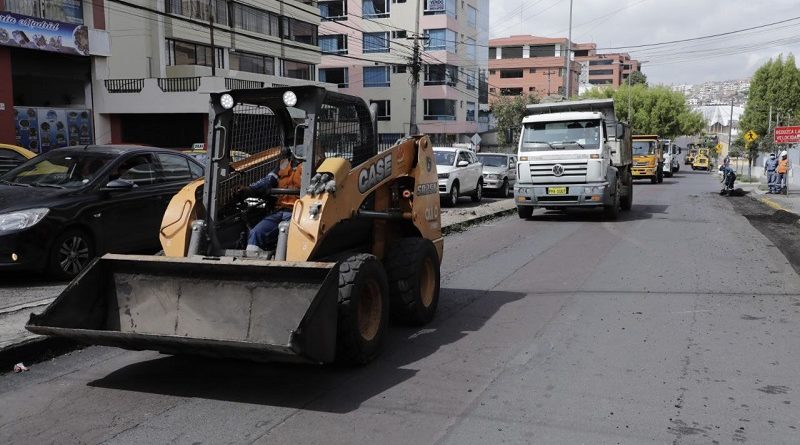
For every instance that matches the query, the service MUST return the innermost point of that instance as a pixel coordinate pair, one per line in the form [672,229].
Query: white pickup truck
[574,154]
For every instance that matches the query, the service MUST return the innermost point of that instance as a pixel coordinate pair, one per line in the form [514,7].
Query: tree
[509,111]
[638,77]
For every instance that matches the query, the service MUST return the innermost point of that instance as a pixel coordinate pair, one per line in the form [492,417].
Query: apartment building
[140,71]
[367,48]
[526,64]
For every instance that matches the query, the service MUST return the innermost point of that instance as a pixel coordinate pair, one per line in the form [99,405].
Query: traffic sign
[718,146]
[750,136]
[787,135]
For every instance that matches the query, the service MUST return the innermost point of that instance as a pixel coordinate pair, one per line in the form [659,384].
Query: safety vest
[289,178]
[783,166]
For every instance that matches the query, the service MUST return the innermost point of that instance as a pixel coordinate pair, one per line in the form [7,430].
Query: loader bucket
[220,307]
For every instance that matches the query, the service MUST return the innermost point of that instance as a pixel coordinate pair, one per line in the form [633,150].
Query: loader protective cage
[260,124]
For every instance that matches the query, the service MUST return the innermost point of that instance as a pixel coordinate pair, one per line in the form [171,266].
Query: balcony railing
[238,84]
[178,84]
[124,85]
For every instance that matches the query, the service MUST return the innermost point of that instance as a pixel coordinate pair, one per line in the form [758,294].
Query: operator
[770,167]
[728,173]
[784,166]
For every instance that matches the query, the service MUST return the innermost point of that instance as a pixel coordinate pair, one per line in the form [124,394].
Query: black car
[62,208]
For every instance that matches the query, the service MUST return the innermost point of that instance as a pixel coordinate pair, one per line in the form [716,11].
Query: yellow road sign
[719,146]
[750,136]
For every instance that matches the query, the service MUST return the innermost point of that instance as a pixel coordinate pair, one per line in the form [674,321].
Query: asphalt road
[677,324]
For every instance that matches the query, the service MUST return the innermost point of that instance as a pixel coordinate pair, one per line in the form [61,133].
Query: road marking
[771,203]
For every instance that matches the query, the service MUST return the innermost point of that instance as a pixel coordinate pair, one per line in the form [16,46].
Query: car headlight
[444,175]
[594,190]
[22,219]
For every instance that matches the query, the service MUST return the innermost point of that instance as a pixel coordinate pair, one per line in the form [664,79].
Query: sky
[615,23]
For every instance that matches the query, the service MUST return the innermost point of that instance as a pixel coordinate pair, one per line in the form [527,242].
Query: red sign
[787,135]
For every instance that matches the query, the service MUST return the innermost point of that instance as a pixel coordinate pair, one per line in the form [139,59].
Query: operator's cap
[784,153]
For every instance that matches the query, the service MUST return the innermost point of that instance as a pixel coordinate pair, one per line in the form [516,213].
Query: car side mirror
[462,164]
[118,185]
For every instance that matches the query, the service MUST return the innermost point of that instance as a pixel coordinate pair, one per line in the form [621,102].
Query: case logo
[375,173]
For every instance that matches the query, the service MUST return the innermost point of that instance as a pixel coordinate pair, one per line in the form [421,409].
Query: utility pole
[730,130]
[416,67]
[211,31]
[568,58]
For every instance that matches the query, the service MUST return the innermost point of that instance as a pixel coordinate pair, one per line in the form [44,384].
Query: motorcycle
[728,179]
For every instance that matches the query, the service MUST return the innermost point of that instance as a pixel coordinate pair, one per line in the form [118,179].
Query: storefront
[45,73]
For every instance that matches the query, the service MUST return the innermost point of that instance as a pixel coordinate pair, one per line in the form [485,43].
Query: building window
[252,63]
[492,53]
[375,9]
[299,31]
[297,70]
[470,111]
[601,62]
[67,11]
[510,91]
[376,76]
[399,69]
[600,72]
[375,42]
[511,74]
[470,44]
[511,52]
[255,20]
[581,53]
[198,9]
[600,81]
[402,34]
[441,75]
[187,53]
[440,7]
[384,109]
[440,39]
[333,10]
[440,110]
[470,79]
[333,44]
[339,76]
[472,16]
[542,51]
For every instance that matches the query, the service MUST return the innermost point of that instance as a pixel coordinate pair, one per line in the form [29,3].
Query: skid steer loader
[364,242]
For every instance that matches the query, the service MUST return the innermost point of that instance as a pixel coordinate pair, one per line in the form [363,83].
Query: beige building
[367,48]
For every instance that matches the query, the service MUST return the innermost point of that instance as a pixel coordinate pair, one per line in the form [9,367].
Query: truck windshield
[641,148]
[570,135]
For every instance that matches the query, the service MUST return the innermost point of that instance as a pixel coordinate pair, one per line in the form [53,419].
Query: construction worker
[784,167]
[770,165]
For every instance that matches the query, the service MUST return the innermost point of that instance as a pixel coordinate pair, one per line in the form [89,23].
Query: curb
[39,349]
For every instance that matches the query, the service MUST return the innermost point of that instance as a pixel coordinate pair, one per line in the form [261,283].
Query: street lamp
[630,93]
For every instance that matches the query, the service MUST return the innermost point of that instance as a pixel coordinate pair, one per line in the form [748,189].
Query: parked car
[11,156]
[499,173]
[201,155]
[460,174]
[64,207]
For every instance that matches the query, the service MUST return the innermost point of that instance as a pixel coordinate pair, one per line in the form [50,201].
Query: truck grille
[572,169]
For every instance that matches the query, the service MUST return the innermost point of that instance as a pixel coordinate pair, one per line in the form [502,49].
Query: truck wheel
[478,195]
[654,179]
[72,251]
[505,190]
[660,176]
[626,202]
[413,270]
[452,198]
[524,212]
[612,211]
[363,309]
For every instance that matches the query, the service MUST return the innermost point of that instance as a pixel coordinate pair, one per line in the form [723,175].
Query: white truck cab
[573,154]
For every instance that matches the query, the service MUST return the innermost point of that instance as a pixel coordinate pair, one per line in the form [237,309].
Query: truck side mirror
[620,130]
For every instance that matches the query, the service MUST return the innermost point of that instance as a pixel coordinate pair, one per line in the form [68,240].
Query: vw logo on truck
[558,170]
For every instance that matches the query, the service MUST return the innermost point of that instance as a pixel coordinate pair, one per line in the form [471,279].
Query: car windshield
[641,148]
[570,135]
[59,169]
[493,160]
[445,157]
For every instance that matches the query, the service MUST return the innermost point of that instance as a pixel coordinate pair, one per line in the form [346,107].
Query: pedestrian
[784,167]
[770,165]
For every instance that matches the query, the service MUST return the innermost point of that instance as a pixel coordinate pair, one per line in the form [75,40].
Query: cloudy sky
[615,23]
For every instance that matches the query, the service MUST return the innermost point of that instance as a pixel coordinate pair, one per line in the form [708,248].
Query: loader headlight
[22,219]
[226,101]
[289,99]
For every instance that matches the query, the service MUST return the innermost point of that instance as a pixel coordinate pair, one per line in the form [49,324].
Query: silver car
[499,173]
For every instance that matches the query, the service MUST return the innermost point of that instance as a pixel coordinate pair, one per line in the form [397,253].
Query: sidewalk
[19,345]
[789,203]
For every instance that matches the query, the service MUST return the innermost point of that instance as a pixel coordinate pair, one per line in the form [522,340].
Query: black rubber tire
[626,202]
[408,264]
[477,195]
[69,242]
[660,176]
[654,179]
[360,274]
[611,212]
[505,190]
[452,198]
[524,212]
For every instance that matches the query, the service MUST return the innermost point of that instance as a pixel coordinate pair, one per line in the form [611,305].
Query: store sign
[43,129]
[22,31]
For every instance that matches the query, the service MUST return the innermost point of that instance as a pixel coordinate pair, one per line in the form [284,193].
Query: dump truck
[363,244]
[690,154]
[573,154]
[648,161]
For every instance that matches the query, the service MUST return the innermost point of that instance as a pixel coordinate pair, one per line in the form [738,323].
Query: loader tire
[413,270]
[363,309]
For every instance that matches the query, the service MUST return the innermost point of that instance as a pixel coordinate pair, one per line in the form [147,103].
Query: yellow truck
[702,161]
[690,155]
[648,162]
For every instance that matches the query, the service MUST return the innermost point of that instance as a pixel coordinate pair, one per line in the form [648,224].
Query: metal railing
[239,84]
[124,85]
[178,84]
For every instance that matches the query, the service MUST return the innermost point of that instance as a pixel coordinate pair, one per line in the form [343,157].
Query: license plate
[556,190]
